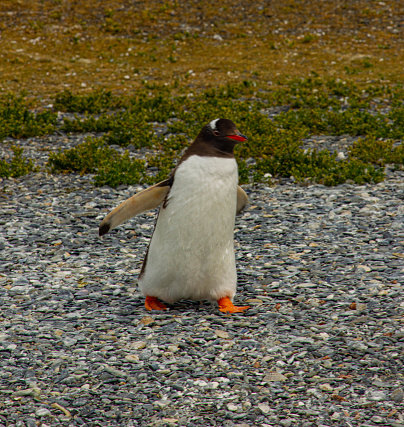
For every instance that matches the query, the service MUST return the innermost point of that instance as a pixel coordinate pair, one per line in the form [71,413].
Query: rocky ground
[322,345]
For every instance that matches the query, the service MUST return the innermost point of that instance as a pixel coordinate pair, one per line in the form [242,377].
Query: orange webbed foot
[153,303]
[226,306]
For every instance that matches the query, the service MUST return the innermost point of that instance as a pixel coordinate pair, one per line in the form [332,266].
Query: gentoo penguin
[191,253]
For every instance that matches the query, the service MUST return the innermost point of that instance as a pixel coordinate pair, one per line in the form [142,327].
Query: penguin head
[218,139]
[225,129]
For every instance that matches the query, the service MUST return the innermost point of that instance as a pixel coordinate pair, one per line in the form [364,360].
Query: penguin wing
[145,200]
[242,199]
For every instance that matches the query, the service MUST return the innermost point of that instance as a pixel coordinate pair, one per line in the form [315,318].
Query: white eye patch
[212,124]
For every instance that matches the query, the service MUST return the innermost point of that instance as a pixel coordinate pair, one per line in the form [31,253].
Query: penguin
[191,252]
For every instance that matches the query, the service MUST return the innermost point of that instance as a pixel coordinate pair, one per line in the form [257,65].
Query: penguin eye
[215,132]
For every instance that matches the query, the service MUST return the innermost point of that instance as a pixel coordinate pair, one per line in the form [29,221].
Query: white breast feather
[191,255]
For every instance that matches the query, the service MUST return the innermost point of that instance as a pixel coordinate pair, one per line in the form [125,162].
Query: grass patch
[323,167]
[18,121]
[93,103]
[17,166]
[94,156]
[378,151]
[314,106]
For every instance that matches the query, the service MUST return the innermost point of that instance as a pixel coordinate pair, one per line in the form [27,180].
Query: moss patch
[275,141]
[17,166]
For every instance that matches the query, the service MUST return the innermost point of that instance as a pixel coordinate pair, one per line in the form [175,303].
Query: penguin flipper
[242,199]
[145,200]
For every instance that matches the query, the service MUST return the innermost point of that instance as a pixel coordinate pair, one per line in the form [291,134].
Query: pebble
[324,333]
[42,412]
[264,408]
[274,376]
[326,387]
[378,396]
[397,395]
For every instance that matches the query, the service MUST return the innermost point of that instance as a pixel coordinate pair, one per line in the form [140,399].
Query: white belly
[191,254]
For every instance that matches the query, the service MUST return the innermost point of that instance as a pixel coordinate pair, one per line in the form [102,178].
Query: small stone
[138,345]
[221,334]
[363,269]
[397,395]
[264,408]
[377,396]
[132,358]
[358,346]
[323,335]
[326,387]
[253,301]
[274,376]
[115,372]
[335,416]
[145,355]
[147,320]
[231,407]
[213,385]
[327,363]
[42,412]
[163,403]
[377,419]
[154,366]
[26,392]
[68,341]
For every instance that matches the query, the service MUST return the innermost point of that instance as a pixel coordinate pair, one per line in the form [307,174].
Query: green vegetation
[17,121]
[18,166]
[377,151]
[95,102]
[311,106]
[94,156]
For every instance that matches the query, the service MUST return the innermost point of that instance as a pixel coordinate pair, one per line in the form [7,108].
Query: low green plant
[95,156]
[122,128]
[324,168]
[396,115]
[17,166]
[377,151]
[311,106]
[93,103]
[17,121]
[308,38]
[352,122]
[285,158]
[86,157]
[121,170]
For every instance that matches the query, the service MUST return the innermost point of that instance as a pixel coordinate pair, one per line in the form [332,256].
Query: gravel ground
[322,345]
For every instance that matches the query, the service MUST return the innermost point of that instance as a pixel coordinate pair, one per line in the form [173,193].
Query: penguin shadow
[188,307]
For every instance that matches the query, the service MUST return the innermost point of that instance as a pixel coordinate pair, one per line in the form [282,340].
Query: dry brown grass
[52,45]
